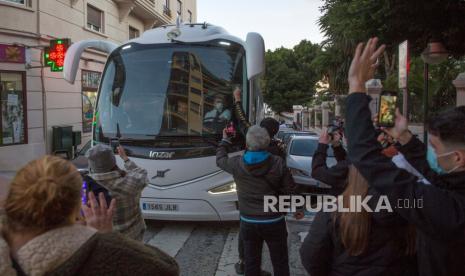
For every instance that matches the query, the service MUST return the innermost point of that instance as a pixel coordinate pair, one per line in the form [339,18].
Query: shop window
[90,81]
[13,108]
[94,19]
[133,32]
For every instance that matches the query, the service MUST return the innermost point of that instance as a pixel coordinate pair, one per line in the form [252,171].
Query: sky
[280,22]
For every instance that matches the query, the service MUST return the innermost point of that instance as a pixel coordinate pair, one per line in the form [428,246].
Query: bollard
[459,84]
[325,113]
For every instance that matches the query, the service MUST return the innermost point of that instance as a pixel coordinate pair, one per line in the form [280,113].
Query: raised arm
[333,176]
[244,124]
[222,159]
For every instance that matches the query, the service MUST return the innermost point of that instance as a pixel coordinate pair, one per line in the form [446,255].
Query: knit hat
[101,159]
[271,125]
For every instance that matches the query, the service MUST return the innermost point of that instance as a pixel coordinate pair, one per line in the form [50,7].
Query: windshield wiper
[209,139]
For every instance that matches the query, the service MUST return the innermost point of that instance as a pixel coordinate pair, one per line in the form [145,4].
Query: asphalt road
[210,248]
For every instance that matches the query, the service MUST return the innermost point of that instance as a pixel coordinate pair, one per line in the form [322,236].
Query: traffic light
[54,55]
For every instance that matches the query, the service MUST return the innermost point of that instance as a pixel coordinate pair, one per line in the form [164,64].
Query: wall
[35,26]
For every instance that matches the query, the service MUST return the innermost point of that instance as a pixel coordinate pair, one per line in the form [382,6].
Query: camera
[333,129]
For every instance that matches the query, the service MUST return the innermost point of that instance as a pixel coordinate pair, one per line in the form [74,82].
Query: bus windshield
[151,91]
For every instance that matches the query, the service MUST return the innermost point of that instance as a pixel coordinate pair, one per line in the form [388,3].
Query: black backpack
[93,186]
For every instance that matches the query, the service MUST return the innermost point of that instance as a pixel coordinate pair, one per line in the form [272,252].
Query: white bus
[167,95]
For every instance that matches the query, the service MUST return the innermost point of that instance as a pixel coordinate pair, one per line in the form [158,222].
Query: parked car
[299,160]
[281,133]
[288,136]
[80,160]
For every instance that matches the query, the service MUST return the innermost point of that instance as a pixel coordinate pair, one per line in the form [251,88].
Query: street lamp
[434,53]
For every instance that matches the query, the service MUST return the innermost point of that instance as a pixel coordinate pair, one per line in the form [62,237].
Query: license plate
[160,207]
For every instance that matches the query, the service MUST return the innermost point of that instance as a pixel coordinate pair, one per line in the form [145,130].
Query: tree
[347,22]
[290,77]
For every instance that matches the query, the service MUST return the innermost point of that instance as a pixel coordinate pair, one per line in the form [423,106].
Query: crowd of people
[46,228]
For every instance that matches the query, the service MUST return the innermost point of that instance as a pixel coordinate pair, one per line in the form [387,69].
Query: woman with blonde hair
[359,242]
[39,234]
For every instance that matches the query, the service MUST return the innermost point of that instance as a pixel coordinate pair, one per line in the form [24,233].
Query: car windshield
[175,90]
[306,147]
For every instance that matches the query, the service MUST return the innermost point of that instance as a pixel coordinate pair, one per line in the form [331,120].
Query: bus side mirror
[255,54]
[74,53]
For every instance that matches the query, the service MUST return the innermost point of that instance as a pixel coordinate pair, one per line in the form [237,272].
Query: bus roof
[189,33]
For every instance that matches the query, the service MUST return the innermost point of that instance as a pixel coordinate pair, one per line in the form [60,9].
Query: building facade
[34,99]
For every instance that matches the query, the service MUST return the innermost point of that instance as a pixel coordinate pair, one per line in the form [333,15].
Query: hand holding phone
[230,130]
[387,109]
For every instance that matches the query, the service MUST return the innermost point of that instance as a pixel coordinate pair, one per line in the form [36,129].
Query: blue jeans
[275,236]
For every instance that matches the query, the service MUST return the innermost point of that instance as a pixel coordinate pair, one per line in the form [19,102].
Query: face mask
[433,161]
[219,106]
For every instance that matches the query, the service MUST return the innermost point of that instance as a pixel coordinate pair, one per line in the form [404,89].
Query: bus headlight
[223,189]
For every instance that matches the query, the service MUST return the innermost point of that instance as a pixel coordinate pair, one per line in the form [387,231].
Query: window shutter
[94,16]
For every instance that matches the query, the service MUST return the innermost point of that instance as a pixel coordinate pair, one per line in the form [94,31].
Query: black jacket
[440,223]
[335,176]
[271,177]
[275,147]
[322,252]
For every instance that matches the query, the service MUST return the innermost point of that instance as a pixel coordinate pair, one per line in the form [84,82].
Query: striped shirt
[127,191]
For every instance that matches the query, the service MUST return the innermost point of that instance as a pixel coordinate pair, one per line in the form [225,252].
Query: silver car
[299,160]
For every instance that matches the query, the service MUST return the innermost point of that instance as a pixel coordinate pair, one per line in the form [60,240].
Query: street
[210,248]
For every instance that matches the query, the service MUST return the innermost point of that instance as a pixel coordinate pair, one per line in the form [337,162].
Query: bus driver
[218,117]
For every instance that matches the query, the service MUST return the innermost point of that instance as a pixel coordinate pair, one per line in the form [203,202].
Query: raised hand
[324,137]
[237,94]
[122,153]
[364,64]
[400,130]
[99,216]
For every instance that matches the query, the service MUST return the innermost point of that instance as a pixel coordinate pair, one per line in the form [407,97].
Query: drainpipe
[44,94]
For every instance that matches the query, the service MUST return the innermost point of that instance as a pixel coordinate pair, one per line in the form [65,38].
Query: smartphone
[114,144]
[387,109]
[84,190]
[231,130]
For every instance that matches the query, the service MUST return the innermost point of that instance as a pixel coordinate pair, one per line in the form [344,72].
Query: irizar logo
[161,154]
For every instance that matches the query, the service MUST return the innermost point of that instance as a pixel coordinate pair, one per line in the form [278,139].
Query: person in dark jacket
[440,221]
[335,176]
[258,173]
[358,243]
[275,147]
[270,124]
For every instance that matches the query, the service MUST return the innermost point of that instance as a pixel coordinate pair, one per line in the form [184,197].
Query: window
[166,8]
[21,2]
[90,81]
[94,19]
[13,108]
[179,7]
[190,16]
[133,32]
